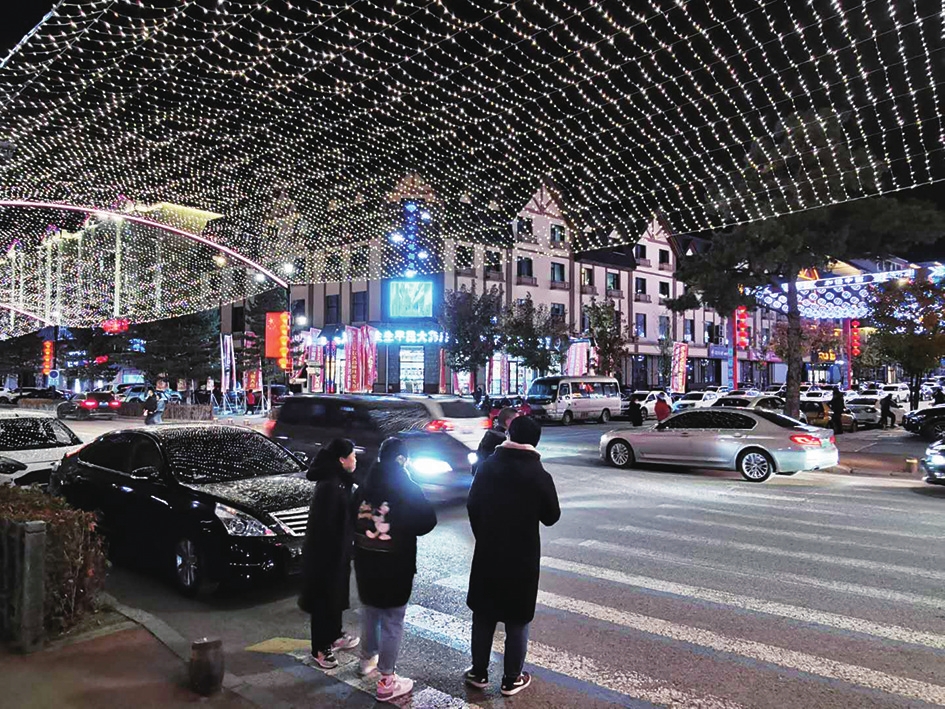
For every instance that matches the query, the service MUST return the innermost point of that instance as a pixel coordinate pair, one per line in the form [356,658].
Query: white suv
[453,415]
[899,391]
[696,399]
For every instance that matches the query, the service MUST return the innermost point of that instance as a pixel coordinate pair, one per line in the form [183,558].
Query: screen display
[411,299]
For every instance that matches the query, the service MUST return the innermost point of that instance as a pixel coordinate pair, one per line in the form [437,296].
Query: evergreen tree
[183,348]
[535,336]
[472,323]
[253,353]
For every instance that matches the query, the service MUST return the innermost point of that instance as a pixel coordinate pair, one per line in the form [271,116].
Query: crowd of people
[376,525]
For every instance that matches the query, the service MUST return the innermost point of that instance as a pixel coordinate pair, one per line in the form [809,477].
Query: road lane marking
[890,569]
[833,620]
[882,594]
[456,631]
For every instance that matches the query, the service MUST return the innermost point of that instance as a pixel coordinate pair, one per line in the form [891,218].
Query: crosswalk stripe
[882,594]
[792,659]
[805,523]
[584,669]
[833,620]
[806,556]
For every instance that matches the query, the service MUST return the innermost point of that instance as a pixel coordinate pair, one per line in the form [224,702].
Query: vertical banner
[456,389]
[576,361]
[504,375]
[369,336]
[442,387]
[678,377]
[489,376]
[352,359]
[317,373]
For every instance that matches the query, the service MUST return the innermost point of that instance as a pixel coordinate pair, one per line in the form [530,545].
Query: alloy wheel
[186,563]
[755,466]
[937,429]
[619,454]
[605,416]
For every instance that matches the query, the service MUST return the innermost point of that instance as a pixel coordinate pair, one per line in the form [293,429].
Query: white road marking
[891,569]
[882,594]
[833,620]
[584,669]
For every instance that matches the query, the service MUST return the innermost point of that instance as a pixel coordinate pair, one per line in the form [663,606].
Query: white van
[568,399]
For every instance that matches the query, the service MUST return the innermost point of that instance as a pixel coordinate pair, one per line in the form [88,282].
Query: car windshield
[891,387]
[100,396]
[871,392]
[543,389]
[200,455]
[863,400]
[732,402]
[695,396]
[779,419]
[459,410]
[32,433]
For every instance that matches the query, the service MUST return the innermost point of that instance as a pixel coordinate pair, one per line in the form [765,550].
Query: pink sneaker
[391,686]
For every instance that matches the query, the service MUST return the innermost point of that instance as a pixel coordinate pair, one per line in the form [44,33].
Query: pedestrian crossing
[742,599]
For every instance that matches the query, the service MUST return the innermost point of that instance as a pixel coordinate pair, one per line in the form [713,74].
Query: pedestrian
[885,411]
[938,398]
[250,402]
[391,513]
[477,395]
[494,436]
[662,407]
[161,397]
[836,412]
[150,408]
[634,412]
[510,495]
[326,552]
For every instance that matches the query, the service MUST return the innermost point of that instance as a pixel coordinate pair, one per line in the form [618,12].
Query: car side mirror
[8,466]
[302,456]
[149,472]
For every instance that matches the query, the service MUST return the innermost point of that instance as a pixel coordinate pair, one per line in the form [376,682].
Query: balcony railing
[642,298]
[526,281]
[560,285]
[494,275]
[666,267]
[615,294]
[469,272]
[558,244]
[644,263]
[588,290]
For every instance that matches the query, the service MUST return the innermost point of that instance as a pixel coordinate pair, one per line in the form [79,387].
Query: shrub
[172,411]
[39,404]
[75,552]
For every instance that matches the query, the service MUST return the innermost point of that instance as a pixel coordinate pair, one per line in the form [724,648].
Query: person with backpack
[326,553]
[392,512]
[511,494]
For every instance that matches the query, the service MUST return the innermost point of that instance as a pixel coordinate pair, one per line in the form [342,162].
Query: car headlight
[428,467]
[240,524]
[473,458]
[937,459]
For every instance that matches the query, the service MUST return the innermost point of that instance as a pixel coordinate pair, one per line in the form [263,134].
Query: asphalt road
[659,587]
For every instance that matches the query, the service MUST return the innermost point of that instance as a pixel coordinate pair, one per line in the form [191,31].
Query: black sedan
[933,464]
[93,404]
[928,423]
[209,503]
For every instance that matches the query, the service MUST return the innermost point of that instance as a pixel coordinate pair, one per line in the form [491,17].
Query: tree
[471,322]
[533,335]
[665,361]
[182,348]
[104,354]
[254,342]
[869,360]
[609,335]
[21,356]
[806,160]
[910,327]
[816,336]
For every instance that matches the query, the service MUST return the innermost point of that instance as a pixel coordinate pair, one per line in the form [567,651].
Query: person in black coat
[938,398]
[836,412]
[509,496]
[391,513]
[634,412]
[886,412]
[494,436]
[326,553]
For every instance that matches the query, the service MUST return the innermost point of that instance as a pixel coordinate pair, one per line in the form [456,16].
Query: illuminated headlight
[428,467]
[937,459]
[240,524]
[472,458]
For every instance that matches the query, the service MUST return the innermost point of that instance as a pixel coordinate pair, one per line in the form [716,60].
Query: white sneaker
[346,642]
[391,686]
[367,666]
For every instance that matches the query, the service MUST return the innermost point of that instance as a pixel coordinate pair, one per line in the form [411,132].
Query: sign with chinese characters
[678,375]
[277,337]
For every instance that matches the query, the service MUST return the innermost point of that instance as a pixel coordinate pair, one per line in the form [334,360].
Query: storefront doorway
[411,370]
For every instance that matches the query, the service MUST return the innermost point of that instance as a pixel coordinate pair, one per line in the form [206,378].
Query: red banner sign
[277,337]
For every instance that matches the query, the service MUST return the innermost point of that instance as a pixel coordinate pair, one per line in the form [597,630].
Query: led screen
[411,299]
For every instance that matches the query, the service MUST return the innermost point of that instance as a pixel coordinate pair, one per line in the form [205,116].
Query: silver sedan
[756,443]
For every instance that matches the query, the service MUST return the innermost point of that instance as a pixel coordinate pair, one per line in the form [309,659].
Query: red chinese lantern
[855,349]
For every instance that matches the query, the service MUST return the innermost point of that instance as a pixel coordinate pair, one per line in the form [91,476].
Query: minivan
[569,399]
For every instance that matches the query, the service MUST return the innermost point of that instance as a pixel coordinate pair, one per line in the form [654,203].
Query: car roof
[7,414]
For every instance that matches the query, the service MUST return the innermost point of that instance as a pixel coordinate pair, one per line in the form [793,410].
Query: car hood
[264,494]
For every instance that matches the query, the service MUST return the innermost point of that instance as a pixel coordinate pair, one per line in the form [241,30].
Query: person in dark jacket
[494,436]
[634,412]
[938,398]
[150,408]
[509,496]
[836,412]
[886,412]
[326,554]
[391,513]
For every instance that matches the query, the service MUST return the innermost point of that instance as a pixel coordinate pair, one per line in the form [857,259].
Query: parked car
[41,393]
[817,394]
[819,413]
[868,411]
[746,391]
[900,392]
[928,423]
[93,404]
[439,463]
[139,392]
[647,402]
[755,442]
[933,464]
[208,503]
[9,396]
[775,389]
[696,399]
[31,444]
[758,401]
[455,416]
[569,399]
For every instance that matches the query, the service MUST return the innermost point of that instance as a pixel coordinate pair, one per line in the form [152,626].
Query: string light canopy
[293,122]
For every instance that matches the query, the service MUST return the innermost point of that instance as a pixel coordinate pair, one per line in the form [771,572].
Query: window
[587,276]
[332,309]
[557,273]
[689,328]
[709,331]
[33,433]
[639,251]
[524,266]
[332,270]
[564,390]
[664,256]
[765,335]
[297,311]
[304,412]
[464,256]
[360,262]
[110,452]
[640,326]
[639,285]
[145,454]
[557,233]
[664,289]
[229,454]
[613,281]
[524,229]
[239,318]
[585,322]
[664,326]
[359,306]
[557,310]
[493,262]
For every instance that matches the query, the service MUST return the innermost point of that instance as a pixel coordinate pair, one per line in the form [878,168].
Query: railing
[588,290]
[22,583]
[642,298]
[470,272]
[526,281]
[644,263]
[666,267]
[615,294]
[558,244]
[492,275]
[560,285]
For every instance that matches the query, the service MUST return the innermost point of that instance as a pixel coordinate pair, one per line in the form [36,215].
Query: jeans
[516,645]
[326,628]
[382,630]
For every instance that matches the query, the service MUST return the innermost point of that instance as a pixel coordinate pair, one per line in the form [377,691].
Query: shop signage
[680,355]
[718,351]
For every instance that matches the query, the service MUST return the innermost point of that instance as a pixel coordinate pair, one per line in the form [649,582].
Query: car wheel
[62,411]
[620,454]
[567,418]
[935,430]
[854,427]
[605,416]
[755,466]
[190,569]
[643,413]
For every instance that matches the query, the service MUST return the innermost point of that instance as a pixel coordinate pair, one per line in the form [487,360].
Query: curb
[178,644]
[868,473]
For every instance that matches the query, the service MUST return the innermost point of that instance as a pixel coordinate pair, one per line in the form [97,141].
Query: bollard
[206,666]
[912,465]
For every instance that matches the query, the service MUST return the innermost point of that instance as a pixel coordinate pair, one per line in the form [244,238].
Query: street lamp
[260,278]
[288,268]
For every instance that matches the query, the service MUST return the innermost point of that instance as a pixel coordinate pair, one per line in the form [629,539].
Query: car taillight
[439,425]
[89,403]
[833,439]
[486,423]
[805,440]
[114,404]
